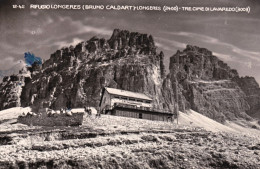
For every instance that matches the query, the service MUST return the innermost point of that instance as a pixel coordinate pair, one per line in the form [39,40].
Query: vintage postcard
[162,84]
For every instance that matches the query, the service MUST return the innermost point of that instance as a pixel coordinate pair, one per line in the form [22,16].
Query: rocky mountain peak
[76,75]
[122,43]
[122,39]
[196,49]
[199,63]
[209,86]
[95,44]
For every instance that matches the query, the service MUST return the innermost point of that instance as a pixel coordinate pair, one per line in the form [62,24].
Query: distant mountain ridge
[75,75]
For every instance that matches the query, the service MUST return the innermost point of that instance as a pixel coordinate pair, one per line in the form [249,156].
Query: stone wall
[75,119]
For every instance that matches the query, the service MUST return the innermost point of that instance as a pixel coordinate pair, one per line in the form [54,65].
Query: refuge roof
[127,93]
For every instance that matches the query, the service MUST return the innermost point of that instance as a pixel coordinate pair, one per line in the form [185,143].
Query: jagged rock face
[251,88]
[207,85]
[124,39]
[221,100]
[199,63]
[74,76]
[10,91]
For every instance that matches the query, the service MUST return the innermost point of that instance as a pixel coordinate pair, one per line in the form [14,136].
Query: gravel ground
[118,142]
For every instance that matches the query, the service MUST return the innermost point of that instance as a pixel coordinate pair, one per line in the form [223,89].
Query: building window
[139,101]
[147,101]
[131,99]
[140,115]
[124,98]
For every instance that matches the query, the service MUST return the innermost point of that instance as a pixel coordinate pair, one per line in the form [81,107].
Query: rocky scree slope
[74,76]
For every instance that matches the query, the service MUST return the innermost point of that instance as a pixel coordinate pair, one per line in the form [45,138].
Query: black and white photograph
[140,84]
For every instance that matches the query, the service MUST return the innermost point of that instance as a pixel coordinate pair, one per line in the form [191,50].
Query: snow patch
[78,110]
[104,64]
[209,82]
[155,75]
[193,118]
[14,112]
[198,120]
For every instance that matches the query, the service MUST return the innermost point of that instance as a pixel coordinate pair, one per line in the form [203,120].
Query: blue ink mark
[30,59]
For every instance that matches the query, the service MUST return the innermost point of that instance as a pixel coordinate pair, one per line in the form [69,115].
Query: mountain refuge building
[130,104]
